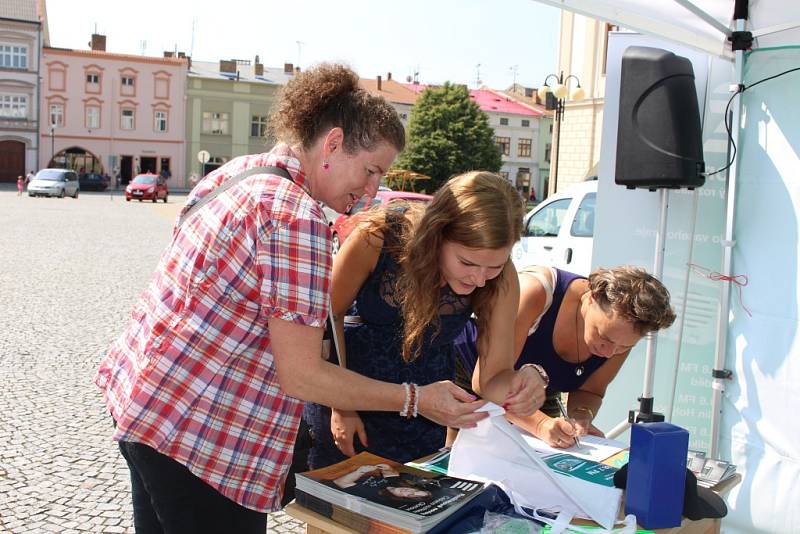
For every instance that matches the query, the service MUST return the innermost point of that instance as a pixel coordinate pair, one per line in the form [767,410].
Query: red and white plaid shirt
[193,374]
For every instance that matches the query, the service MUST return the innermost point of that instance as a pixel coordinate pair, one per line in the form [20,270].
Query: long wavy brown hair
[477,210]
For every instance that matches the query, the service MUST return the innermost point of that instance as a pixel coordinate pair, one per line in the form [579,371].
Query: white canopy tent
[753,423]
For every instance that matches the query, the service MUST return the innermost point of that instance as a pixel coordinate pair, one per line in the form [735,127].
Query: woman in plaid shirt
[205,383]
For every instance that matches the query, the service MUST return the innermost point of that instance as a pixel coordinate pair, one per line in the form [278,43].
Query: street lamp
[53,143]
[554,100]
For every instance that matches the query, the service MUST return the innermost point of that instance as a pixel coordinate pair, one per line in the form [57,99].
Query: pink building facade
[112,114]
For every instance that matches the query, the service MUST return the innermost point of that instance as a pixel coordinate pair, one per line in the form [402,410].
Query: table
[318,524]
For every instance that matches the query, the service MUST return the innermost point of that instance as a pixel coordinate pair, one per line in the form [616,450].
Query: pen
[563,411]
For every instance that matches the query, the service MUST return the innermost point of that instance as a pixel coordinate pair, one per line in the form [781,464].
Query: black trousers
[169,499]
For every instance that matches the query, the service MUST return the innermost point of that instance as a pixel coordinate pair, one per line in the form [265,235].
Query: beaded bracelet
[406,404]
[416,400]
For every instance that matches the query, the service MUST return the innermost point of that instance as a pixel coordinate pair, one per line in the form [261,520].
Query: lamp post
[554,100]
[53,143]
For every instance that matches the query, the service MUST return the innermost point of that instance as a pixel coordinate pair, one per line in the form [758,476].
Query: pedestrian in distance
[29,177]
[417,273]
[20,185]
[206,383]
[580,330]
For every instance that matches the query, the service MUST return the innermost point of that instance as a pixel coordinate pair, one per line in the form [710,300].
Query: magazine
[715,471]
[378,491]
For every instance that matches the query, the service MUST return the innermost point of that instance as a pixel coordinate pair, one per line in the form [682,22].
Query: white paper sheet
[591,448]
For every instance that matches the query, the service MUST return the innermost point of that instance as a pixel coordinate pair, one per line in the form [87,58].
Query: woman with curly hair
[580,330]
[416,274]
[206,381]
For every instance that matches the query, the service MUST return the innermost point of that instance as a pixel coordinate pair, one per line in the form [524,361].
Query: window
[551,128]
[92,78]
[548,148]
[160,121]
[92,117]
[547,221]
[524,148]
[503,145]
[14,106]
[161,88]
[503,121]
[13,57]
[127,122]
[258,126]
[526,123]
[215,123]
[57,114]
[127,81]
[504,174]
[583,225]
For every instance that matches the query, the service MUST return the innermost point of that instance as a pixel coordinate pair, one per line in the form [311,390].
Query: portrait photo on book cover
[383,484]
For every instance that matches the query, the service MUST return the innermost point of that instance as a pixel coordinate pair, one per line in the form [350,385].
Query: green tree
[448,135]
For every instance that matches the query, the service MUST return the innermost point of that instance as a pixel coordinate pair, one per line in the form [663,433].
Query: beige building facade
[582,53]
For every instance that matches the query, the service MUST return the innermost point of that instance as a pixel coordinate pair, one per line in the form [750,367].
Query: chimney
[259,69]
[379,83]
[388,76]
[288,68]
[98,42]
[227,66]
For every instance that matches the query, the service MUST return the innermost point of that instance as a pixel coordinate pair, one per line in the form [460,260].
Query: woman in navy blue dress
[580,330]
[416,274]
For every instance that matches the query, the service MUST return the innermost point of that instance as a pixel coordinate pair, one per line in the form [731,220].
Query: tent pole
[646,414]
[718,377]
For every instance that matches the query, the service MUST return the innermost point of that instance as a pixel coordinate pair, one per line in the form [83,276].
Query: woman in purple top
[580,330]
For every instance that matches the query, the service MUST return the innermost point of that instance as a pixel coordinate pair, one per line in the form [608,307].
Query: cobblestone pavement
[71,270]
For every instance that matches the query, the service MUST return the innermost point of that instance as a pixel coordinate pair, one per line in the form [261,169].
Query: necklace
[579,365]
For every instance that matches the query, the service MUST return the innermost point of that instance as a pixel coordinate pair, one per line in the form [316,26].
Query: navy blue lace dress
[374,350]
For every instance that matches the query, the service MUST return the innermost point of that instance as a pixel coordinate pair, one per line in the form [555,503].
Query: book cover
[388,491]
[587,470]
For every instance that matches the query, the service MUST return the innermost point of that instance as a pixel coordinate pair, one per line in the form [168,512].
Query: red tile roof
[489,100]
[391,90]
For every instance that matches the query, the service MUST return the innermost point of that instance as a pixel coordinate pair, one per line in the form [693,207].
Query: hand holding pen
[569,420]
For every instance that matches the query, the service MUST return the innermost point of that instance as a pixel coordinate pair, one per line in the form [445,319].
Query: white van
[54,183]
[559,231]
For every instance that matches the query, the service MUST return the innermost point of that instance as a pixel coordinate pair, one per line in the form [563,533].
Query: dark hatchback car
[92,181]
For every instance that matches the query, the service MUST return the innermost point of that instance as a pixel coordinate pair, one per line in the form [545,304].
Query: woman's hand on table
[448,405]
[344,425]
[583,423]
[527,392]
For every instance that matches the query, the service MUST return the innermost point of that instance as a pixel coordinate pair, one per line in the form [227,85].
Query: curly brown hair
[477,210]
[328,96]
[634,295]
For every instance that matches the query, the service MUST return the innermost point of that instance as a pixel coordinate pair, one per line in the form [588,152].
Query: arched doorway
[12,160]
[77,159]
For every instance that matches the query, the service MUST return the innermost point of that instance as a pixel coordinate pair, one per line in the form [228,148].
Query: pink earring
[326,165]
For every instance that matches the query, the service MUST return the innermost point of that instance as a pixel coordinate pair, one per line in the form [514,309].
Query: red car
[345,223]
[147,187]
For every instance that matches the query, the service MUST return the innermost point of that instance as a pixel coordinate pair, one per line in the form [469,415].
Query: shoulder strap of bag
[230,182]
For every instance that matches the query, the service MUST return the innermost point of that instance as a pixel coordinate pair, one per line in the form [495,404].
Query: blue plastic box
[657,474]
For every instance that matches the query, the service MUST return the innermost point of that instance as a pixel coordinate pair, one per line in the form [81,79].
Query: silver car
[54,183]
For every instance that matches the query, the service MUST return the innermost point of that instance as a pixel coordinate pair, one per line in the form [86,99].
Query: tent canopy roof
[701,24]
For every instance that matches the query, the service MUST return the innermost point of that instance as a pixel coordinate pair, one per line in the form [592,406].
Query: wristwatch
[541,371]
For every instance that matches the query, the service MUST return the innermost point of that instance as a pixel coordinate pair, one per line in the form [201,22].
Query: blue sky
[441,39]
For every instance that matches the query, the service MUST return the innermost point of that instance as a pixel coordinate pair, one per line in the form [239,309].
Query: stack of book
[372,494]
[709,471]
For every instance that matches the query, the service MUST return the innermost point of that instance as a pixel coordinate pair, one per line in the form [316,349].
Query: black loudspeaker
[659,138]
